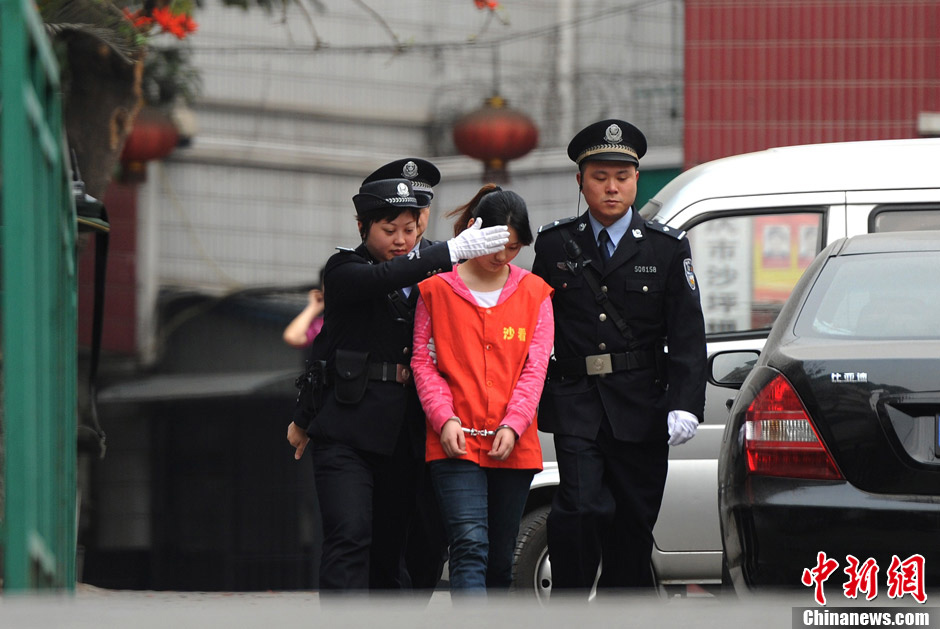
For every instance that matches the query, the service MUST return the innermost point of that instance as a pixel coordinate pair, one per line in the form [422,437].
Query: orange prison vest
[480,353]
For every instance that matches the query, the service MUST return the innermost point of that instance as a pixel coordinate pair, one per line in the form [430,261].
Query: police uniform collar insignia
[662,228]
[614,134]
[554,224]
[581,227]
[410,170]
[637,233]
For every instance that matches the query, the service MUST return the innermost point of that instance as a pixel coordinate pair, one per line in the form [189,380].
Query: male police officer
[628,377]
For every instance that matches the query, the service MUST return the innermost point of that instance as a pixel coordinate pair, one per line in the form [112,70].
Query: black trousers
[426,549]
[366,502]
[606,505]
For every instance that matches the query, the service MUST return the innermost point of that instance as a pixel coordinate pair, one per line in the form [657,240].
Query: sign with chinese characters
[902,577]
[748,265]
[849,376]
[721,251]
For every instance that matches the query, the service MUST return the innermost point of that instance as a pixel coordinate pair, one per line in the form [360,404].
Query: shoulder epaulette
[346,249]
[554,224]
[662,228]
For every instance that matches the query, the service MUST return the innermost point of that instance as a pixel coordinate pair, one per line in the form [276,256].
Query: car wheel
[532,569]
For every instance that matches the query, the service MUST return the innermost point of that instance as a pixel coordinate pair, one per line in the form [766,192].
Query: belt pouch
[352,376]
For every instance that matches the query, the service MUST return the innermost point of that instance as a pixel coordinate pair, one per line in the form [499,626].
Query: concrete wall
[286,133]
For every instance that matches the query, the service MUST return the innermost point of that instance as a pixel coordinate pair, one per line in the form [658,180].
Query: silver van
[755,222]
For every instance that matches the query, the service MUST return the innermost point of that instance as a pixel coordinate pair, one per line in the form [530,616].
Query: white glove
[474,241]
[682,427]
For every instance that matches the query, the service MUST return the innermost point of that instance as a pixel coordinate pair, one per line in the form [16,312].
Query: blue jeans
[481,508]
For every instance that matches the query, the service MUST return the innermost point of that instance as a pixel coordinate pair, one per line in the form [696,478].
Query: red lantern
[495,134]
[153,136]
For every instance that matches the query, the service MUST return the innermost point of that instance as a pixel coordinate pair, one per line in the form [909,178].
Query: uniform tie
[603,239]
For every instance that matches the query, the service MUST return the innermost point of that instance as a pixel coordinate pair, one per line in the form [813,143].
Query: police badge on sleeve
[689,274]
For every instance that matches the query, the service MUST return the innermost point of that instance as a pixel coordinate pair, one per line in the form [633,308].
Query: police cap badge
[386,193]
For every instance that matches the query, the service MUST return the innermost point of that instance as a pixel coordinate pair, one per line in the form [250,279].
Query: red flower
[138,19]
[189,24]
[177,24]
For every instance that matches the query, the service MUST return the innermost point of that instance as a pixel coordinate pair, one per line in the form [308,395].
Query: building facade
[779,73]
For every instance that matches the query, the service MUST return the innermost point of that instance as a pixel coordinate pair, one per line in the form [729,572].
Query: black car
[830,461]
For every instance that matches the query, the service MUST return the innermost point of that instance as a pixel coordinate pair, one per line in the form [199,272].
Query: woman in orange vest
[493,328]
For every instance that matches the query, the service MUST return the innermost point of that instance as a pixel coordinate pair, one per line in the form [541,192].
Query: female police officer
[368,432]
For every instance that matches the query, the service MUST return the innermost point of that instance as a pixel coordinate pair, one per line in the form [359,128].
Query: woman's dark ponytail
[496,207]
[465,212]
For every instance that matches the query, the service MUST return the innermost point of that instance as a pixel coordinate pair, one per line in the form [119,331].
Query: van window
[897,218]
[747,265]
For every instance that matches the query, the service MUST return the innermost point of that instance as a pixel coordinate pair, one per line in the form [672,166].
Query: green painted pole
[37,312]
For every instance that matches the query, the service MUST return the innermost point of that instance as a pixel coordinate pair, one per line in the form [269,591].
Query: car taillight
[780,439]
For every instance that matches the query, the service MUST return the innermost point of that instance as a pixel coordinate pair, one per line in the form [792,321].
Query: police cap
[423,175]
[608,140]
[384,194]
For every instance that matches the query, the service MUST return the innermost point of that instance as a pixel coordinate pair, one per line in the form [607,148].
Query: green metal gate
[37,313]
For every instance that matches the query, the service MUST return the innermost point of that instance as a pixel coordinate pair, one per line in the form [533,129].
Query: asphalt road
[94,608]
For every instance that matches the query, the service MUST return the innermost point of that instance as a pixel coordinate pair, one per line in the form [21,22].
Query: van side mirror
[729,368]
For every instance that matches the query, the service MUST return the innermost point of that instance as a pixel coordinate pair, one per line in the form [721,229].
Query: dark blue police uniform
[426,547]
[609,390]
[367,436]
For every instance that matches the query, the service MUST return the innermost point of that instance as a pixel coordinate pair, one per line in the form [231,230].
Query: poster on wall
[784,245]
[747,266]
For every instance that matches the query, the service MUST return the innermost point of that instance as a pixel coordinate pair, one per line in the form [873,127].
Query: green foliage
[168,72]
[169,75]
[98,19]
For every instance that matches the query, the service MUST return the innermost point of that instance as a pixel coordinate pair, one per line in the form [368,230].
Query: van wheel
[532,569]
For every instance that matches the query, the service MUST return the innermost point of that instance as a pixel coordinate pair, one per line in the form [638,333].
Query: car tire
[531,568]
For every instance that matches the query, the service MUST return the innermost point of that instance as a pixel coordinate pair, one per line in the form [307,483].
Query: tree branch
[317,42]
[378,18]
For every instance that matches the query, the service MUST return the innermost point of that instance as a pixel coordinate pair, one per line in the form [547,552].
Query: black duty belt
[390,372]
[600,364]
